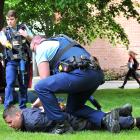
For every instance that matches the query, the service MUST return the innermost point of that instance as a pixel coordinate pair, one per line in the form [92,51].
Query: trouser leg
[135,77]
[46,89]
[75,82]
[126,122]
[22,91]
[77,100]
[11,72]
[23,85]
[126,77]
[93,120]
[83,91]
[92,115]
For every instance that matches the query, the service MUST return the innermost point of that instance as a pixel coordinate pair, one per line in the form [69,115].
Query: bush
[113,75]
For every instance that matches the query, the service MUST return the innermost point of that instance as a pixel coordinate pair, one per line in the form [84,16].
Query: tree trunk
[1,13]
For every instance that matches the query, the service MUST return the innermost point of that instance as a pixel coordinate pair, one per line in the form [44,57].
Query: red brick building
[113,57]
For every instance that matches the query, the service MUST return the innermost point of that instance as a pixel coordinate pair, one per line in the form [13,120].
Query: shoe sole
[62,129]
[125,110]
[114,124]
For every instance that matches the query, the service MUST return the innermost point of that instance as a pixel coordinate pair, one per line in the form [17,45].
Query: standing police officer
[15,38]
[64,67]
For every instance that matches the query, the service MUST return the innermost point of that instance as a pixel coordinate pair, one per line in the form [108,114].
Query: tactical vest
[73,49]
[20,46]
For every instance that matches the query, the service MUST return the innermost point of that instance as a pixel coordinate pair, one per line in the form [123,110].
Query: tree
[1,13]
[84,20]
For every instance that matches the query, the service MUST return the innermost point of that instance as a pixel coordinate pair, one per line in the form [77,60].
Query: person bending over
[64,67]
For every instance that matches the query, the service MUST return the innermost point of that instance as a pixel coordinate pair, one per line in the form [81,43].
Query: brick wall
[113,57]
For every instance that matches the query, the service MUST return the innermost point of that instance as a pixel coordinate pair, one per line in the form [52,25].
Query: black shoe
[125,110]
[122,87]
[111,121]
[62,127]
[138,122]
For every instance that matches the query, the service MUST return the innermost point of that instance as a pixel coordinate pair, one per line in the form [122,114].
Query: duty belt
[79,63]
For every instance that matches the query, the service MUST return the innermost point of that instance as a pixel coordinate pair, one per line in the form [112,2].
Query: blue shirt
[46,51]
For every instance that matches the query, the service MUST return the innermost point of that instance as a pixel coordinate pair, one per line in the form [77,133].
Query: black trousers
[131,73]
[79,124]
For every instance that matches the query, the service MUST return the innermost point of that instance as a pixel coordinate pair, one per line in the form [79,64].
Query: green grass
[108,98]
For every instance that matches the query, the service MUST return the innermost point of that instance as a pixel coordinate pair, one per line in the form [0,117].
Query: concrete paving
[116,84]
[107,84]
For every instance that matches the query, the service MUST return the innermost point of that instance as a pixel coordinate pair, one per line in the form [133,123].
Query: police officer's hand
[8,45]
[41,108]
[37,103]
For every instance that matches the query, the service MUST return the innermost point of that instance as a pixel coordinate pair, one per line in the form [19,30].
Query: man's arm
[4,42]
[44,72]
[44,69]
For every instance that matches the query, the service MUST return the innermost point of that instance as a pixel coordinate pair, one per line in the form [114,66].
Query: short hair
[10,111]
[11,13]
[37,39]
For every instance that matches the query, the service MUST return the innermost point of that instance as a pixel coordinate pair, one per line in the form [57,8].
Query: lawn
[108,98]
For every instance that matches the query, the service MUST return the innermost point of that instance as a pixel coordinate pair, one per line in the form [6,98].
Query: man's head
[36,41]
[13,117]
[11,18]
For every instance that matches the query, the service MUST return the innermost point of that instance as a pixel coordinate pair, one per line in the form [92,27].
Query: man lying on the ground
[33,120]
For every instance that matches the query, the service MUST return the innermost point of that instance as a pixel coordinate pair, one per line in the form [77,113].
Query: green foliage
[84,20]
[113,75]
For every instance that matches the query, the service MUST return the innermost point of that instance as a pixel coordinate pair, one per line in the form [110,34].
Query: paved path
[116,84]
[107,84]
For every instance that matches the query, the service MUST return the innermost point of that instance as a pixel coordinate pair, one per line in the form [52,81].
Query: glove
[8,45]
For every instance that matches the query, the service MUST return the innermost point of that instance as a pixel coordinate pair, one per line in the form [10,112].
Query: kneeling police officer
[64,67]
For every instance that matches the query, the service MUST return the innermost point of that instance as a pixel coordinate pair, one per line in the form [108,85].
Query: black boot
[122,87]
[125,110]
[137,122]
[62,127]
[111,121]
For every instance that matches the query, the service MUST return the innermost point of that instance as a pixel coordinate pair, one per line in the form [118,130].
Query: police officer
[15,38]
[64,67]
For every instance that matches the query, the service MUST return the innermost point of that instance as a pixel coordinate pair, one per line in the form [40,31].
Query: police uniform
[15,62]
[78,83]
[33,120]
